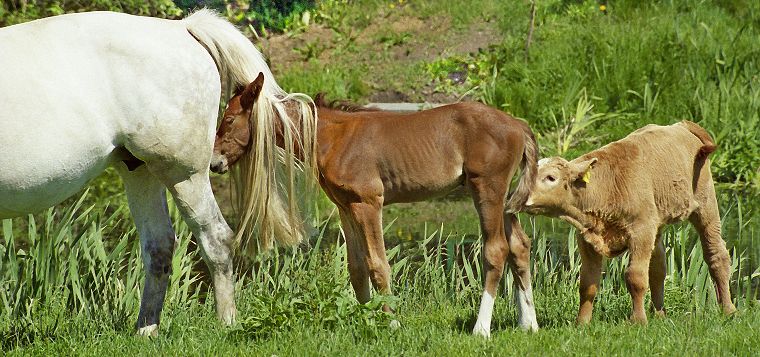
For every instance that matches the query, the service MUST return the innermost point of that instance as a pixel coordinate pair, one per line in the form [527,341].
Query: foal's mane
[342,105]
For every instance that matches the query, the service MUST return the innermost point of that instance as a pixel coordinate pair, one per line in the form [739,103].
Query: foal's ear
[251,92]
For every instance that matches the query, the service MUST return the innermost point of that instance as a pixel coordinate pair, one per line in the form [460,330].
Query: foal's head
[234,134]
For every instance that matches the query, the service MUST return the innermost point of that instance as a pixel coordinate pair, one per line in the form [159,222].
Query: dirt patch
[395,49]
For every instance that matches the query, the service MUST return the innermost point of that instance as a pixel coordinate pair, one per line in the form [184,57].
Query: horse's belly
[28,186]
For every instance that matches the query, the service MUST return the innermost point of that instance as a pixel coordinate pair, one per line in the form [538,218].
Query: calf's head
[557,185]
[234,135]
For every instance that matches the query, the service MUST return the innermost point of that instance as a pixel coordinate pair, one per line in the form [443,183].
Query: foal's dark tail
[529,167]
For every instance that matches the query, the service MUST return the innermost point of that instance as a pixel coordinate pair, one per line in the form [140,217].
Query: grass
[70,277]
[299,301]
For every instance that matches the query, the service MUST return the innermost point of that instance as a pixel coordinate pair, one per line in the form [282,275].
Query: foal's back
[412,157]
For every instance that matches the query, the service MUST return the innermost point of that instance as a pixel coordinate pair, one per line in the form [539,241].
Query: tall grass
[72,264]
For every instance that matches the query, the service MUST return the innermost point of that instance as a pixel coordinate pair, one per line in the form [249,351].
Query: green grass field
[70,277]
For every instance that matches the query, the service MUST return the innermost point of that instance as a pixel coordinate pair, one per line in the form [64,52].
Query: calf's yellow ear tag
[587,176]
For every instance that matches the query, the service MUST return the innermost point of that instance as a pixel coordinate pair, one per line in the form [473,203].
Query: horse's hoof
[659,314]
[395,325]
[148,331]
[529,326]
[481,331]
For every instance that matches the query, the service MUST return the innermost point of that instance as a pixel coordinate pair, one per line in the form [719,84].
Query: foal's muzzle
[218,164]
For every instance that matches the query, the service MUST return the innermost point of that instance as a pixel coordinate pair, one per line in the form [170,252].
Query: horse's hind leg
[706,220]
[147,202]
[488,196]
[519,263]
[198,207]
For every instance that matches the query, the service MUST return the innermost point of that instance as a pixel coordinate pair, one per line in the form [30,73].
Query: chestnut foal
[368,158]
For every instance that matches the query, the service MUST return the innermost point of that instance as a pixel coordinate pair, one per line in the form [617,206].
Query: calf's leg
[591,272]
[706,219]
[637,274]
[657,267]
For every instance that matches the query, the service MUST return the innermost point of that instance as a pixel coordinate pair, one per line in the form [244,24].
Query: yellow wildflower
[602,7]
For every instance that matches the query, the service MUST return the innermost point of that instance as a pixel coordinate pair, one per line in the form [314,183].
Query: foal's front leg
[368,218]
[357,266]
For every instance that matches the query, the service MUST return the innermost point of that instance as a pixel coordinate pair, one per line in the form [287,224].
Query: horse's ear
[251,92]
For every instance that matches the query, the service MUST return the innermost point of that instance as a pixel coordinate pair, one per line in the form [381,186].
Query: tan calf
[620,196]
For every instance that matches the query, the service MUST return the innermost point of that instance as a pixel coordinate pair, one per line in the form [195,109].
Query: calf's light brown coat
[620,196]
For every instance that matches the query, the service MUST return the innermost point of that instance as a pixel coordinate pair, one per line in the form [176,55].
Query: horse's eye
[229,119]
[550,178]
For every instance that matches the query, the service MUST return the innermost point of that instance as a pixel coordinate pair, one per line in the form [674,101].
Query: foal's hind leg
[519,263]
[198,207]
[147,202]
[488,196]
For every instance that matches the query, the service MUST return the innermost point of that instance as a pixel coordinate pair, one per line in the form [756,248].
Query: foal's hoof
[638,320]
[148,331]
[659,314]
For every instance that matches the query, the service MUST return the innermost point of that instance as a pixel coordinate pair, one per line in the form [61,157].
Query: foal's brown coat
[367,159]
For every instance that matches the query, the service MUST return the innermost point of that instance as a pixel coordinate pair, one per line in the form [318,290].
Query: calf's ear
[582,170]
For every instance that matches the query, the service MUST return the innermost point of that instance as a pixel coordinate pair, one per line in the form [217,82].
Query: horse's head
[234,134]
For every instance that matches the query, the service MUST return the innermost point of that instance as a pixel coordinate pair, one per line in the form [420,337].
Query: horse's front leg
[147,202]
[198,207]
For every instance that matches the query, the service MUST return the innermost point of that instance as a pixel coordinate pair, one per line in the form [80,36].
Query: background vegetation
[70,277]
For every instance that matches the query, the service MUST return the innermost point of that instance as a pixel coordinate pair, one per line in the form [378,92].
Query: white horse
[82,92]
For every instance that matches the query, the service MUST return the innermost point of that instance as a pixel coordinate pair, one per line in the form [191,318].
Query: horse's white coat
[483,324]
[76,87]
[83,91]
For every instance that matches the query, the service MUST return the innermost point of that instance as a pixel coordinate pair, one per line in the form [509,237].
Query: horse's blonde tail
[266,172]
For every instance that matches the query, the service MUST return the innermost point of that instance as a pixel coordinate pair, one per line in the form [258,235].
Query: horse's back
[76,87]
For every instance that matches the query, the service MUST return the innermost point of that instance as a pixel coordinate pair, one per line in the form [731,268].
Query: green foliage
[18,11]
[79,262]
[694,61]
[268,15]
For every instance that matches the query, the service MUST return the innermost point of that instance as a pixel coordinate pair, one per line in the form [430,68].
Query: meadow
[70,277]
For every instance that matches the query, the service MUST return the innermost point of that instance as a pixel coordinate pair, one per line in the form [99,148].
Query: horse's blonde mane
[266,173]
